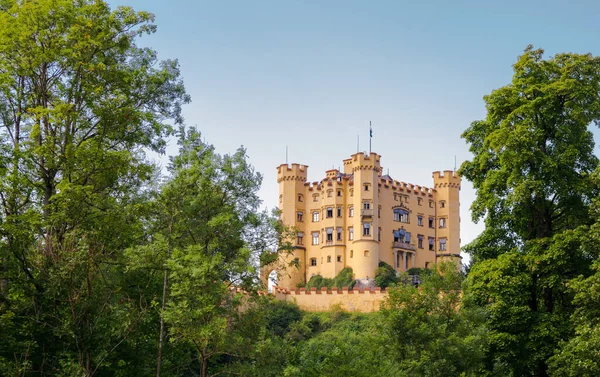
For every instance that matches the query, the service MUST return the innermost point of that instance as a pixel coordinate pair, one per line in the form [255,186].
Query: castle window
[420,201]
[315,238]
[431,222]
[442,222]
[329,232]
[420,241]
[339,258]
[431,204]
[329,212]
[366,229]
[442,204]
[315,217]
[399,235]
[300,216]
[379,212]
[431,244]
[351,233]
[351,192]
[366,205]
[366,186]
[351,212]
[300,198]
[351,253]
[420,220]
[300,238]
[339,211]
[366,253]
[315,197]
[442,244]
[329,259]
[400,215]
[339,234]
[395,197]
[406,197]
[379,234]
[329,193]
[339,192]
[313,261]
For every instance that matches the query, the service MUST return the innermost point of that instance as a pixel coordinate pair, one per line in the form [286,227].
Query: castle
[359,217]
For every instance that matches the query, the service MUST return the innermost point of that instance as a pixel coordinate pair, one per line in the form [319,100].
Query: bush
[385,275]
[343,279]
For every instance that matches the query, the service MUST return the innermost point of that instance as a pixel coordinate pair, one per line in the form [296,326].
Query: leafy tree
[532,168]
[431,334]
[79,102]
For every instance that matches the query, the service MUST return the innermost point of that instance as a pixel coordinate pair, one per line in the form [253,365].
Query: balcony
[367,212]
[404,246]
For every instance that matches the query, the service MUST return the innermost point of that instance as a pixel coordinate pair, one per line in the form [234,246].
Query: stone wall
[313,300]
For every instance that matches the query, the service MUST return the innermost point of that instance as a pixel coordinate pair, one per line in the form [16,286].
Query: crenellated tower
[292,204]
[447,185]
[364,247]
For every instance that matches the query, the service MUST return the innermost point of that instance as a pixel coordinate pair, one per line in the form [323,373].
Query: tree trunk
[161,337]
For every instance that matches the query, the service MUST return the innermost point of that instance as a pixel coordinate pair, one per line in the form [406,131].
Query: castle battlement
[353,300]
[447,178]
[295,172]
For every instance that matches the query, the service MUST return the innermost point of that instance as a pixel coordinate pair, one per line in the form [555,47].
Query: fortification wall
[313,300]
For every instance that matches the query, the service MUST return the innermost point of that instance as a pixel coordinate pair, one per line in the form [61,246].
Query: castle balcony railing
[404,246]
[367,212]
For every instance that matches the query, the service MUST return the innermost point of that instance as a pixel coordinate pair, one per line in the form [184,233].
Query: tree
[79,104]
[432,335]
[532,168]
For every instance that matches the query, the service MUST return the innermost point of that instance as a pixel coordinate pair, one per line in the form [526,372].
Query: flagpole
[370,136]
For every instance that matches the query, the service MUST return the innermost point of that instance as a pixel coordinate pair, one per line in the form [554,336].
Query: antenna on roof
[286,154]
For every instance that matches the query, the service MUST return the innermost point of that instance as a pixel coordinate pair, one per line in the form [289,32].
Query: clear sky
[312,74]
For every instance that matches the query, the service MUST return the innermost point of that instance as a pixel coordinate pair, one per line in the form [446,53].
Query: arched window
[400,215]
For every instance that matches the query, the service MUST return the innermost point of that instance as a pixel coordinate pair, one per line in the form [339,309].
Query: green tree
[79,104]
[431,333]
[532,168]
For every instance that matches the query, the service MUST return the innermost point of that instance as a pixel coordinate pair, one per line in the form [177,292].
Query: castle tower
[447,185]
[292,204]
[364,250]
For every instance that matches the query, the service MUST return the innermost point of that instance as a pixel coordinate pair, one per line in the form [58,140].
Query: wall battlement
[447,178]
[295,172]
[313,300]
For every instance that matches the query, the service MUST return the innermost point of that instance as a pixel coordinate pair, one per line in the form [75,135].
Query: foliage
[385,275]
[345,278]
[532,167]
[79,102]
[578,355]
[432,335]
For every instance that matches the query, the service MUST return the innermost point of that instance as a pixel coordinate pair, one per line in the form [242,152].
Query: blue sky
[312,74]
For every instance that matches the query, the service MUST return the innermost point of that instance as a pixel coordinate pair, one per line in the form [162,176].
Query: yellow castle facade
[358,217]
